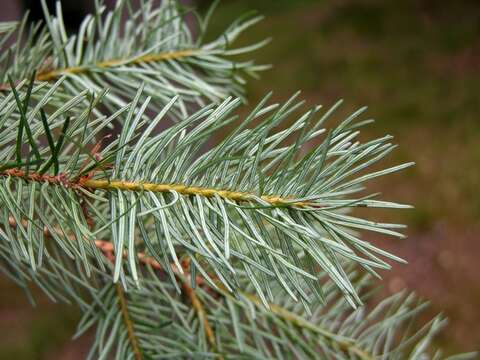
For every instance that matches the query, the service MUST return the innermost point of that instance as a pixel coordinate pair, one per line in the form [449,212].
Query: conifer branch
[145,59]
[255,230]
[52,75]
[112,185]
[348,345]
[253,187]
[128,322]
[274,200]
[201,313]
[154,47]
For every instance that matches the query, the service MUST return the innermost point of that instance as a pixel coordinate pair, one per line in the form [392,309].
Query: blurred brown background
[416,64]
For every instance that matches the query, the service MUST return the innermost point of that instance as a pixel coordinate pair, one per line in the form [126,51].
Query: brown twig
[128,322]
[60,179]
[200,310]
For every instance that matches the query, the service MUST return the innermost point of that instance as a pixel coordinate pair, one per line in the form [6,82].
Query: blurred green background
[416,64]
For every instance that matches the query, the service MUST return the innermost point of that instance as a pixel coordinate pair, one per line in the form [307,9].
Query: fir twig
[128,322]
[52,75]
[145,59]
[201,313]
[112,185]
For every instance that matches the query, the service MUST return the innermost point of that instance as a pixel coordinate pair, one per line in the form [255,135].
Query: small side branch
[346,344]
[149,58]
[132,338]
[51,75]
[200,310]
